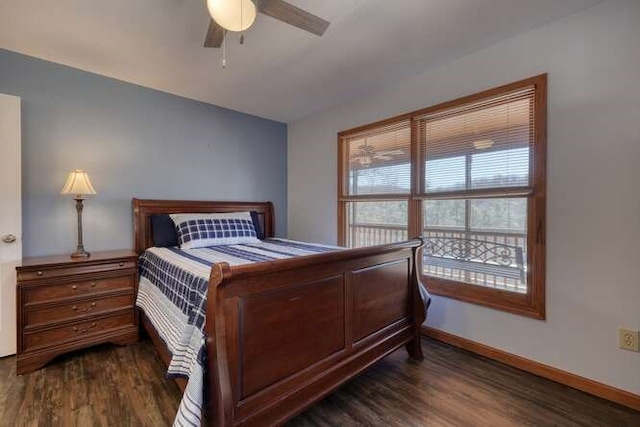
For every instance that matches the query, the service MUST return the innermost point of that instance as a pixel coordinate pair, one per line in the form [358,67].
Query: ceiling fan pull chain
[224,49]
[241,24]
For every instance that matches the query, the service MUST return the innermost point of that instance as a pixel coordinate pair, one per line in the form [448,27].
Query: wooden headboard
[144,208]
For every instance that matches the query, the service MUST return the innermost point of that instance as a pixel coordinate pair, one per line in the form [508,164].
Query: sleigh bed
[280,335]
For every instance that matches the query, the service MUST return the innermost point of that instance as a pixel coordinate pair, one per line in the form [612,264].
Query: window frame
[532,303]
[344,198]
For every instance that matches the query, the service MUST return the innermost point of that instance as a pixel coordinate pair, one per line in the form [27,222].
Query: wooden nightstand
[66,304]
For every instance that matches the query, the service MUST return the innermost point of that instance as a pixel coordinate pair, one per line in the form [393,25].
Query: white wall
[593,235]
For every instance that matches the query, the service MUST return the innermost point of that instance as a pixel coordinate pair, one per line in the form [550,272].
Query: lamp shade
[232,15]
[78,184]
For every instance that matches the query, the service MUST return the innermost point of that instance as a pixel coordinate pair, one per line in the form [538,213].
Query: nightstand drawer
[74,289]
[75,331]
[49,273]
[70,310]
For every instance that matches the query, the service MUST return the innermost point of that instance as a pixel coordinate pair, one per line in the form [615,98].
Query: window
[375,191]
[469,177]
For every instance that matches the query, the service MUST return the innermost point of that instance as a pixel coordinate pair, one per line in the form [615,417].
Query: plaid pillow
[202,230]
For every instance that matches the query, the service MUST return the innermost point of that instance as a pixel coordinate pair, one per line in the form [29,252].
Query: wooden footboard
[283,334]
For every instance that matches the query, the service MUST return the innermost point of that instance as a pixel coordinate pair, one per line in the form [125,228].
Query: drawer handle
[121,265]
[85,308]
[39,273]
[84,330]
[76,288]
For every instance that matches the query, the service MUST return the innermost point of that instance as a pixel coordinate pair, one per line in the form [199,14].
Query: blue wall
[134,142]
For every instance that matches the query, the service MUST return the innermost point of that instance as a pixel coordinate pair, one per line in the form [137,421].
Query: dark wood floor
[125,386]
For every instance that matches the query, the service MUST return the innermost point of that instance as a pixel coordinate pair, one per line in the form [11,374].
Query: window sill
[527,305]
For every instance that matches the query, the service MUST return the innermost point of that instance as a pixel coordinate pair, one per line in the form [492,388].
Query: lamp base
[81,253]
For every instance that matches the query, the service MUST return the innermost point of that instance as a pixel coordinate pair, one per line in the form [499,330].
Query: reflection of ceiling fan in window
[367,154]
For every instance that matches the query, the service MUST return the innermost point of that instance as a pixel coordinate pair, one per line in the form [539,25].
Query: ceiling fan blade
[293,15]
[215,35]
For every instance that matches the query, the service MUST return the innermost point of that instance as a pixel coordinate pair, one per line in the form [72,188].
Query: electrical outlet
[629,340]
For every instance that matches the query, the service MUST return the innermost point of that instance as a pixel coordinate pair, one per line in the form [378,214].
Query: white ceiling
[280,72]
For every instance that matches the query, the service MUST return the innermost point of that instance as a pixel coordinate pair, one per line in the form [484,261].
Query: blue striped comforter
[172,292]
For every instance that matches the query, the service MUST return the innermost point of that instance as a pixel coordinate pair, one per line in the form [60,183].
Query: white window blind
[482,147]
[378,160]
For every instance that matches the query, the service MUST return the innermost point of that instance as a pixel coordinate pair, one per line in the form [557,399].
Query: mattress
[172,293]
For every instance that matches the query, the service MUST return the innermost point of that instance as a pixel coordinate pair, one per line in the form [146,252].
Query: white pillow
[202,230]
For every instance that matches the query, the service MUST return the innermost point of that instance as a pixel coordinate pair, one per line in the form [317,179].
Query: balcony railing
[474,270]
[375,234]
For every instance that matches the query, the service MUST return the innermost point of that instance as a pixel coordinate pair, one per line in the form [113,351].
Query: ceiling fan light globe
[233,15]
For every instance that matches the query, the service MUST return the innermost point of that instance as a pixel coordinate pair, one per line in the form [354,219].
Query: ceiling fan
[238,15]
[367,154]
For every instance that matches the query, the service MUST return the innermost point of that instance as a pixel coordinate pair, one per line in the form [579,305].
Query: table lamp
[79,185]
